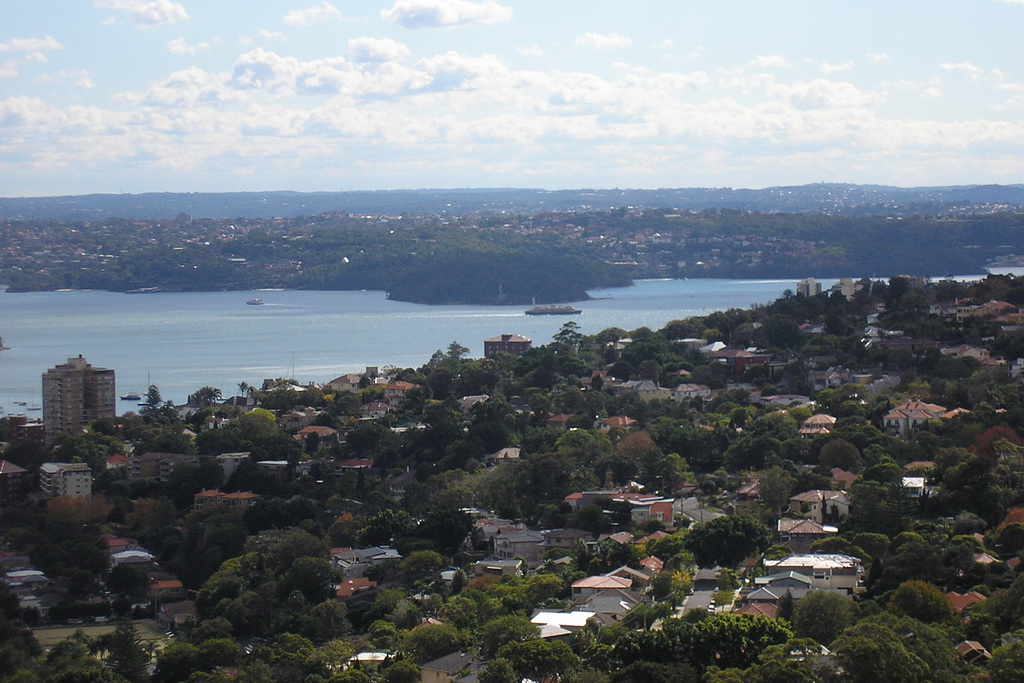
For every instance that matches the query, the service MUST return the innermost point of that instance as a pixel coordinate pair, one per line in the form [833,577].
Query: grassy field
[48,636]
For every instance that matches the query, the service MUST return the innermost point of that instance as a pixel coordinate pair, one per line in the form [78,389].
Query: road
[693,509]
[697,600]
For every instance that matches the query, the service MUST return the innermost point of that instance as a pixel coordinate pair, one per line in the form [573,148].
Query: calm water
[181,342]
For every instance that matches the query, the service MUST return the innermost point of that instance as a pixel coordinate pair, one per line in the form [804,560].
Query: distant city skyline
[136,96]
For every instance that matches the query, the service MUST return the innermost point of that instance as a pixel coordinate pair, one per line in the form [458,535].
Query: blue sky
[223,95]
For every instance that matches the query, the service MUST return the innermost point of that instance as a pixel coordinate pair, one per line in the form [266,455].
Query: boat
[255,302]
[35,407]
[553,310]
[131,397]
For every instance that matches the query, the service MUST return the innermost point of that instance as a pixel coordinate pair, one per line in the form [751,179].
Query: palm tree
[207,396]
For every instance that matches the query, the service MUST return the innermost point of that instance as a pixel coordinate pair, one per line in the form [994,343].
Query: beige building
[66,479]
[74,394]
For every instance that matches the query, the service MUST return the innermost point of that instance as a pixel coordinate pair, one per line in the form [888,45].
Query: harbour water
[183,341]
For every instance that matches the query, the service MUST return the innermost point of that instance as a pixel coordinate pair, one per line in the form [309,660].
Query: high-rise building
[74,394]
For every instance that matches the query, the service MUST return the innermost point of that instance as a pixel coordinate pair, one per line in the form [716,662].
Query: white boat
[255,302]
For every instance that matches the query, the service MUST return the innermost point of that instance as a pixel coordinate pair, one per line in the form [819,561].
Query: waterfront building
[72,479]
[74,394]
[515,344]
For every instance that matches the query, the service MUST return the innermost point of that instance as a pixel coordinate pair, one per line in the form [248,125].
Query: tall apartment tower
[808,287]
[74,394]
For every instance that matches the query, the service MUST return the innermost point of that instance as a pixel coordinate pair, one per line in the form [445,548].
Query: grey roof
[452,662]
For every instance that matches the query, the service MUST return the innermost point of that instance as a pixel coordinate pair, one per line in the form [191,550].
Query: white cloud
[599,41]
[377,50]
[271,35]
[312,15]
[185,88]
[530,50]
[769,62]
[964,67]
[1012,103]
[178,46]
[877,57]
[445,13]
[31,44]
[827,68]
[147,14]
[80,79]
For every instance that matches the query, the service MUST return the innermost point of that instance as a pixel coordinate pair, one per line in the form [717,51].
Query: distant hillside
[830,199]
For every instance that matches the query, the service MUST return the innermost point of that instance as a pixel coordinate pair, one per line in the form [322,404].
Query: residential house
[560,624]
[821,506]
[615,422]
[449,668]
[352,562]
[684,392]
[817,425]
[513,567]
[592,585]
[738,360]
[526,544]
[395,392]
[565,538]
[166,590]
[326,436]
[349,587]
[299,418]
[375,410]
[644,389]
[973,652]
[961,601]
[646,510]
[842,479]
[827,572]
[560,421]
[799,534]
[609,606]
[346,384]
[910,415]
[172,616]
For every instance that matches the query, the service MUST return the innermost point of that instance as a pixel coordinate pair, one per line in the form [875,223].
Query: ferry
[255,302]
[553,310]
[131,397]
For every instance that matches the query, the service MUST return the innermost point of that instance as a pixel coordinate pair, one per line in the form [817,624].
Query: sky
[109,96]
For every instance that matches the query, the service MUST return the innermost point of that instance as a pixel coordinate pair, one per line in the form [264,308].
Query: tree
[922,601]
[1007,663]
[430,642]
[726,541]
[776,486]
[205,396]
[539,659]
[870,652]
[126,655]
[822,616]
[498,671]
[402,671]
[503,630]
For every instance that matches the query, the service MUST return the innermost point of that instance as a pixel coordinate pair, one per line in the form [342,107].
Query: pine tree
[127,655]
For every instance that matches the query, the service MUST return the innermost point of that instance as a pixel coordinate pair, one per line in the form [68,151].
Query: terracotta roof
[603,583]
[961,601]
[760,609]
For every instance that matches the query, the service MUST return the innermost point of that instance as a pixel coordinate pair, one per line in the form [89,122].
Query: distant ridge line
[819,198]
